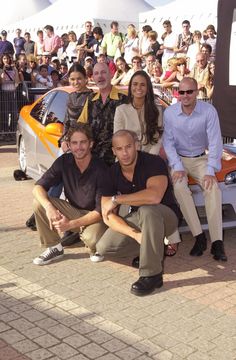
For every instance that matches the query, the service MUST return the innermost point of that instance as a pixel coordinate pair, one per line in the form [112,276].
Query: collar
[196,109]
[114,94]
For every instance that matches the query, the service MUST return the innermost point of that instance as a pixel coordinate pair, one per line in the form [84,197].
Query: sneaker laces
[48,252]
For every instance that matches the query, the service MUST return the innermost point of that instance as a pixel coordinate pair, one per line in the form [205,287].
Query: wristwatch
[113,200]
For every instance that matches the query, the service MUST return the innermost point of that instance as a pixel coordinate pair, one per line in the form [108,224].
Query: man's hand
[178,176]
[53,214]
[107,208]
[62,224]
[208,182]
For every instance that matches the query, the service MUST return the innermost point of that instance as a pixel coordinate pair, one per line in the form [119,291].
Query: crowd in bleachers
[45,62]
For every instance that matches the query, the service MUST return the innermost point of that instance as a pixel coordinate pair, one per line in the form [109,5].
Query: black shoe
[146,285]
[70,238]
[217,249]
[31,224]
[199,246]
[135,262]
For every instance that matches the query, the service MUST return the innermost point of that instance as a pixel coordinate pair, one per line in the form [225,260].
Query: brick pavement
[78,310]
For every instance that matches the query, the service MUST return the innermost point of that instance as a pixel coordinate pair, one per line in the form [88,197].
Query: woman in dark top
[76,100]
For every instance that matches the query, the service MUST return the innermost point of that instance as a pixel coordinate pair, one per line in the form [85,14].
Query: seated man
[141,181]
[82,176]
[192,126]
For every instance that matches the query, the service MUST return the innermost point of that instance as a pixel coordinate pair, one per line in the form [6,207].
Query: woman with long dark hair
[141,115]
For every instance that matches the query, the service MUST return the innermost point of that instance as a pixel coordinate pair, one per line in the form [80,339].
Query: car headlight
[230,178]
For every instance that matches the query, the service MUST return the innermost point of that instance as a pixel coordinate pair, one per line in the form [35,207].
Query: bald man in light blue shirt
[191,127]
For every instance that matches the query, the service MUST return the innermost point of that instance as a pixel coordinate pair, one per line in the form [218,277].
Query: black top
[82,190]
[147,165]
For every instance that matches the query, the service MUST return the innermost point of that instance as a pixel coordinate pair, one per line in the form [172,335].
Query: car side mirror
[55,129]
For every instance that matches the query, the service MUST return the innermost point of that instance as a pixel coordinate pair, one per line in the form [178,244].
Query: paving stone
[63,351]
[33,315]
[83,328]
[76,340]
[182,350]
[60,331]
[99,336]
[11,336]
[128,353]
[21,324]
[39,354]
[46,340]
[3,327]
[114,345]
[25,346]
[92,351]
[46,323]
[33,332]
[9,316]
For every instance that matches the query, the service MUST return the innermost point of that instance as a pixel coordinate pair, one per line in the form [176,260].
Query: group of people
[125,179]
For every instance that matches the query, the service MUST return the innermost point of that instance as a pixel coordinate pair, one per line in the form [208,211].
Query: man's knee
[37,207]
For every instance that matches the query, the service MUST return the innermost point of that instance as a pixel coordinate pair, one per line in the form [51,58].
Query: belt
[196,156]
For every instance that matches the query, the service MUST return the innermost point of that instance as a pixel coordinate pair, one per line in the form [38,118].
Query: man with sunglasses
[191,127]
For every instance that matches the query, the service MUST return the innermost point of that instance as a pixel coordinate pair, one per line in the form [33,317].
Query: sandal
[171,249]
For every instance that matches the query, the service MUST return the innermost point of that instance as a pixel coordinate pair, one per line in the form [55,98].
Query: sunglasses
[189,92]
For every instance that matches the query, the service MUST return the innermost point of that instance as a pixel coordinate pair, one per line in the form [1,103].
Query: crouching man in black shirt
[81,175]
[141,181]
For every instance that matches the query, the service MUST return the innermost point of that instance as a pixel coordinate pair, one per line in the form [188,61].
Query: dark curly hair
[151,112]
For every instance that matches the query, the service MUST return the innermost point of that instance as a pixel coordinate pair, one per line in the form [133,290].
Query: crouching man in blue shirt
[141,181]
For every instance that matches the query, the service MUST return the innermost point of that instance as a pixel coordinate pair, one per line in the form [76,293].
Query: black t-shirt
[147,166]
[82,190]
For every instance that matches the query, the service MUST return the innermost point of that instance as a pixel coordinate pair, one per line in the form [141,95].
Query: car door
[47,149]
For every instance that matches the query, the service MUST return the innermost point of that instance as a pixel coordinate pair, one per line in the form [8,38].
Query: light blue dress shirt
[191,135]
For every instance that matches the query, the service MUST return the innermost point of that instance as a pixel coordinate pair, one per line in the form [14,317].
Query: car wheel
[22,155]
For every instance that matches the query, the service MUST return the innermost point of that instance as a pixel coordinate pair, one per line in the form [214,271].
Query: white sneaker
[49,255]
[96,257]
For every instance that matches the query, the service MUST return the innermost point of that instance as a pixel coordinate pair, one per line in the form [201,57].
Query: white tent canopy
[15,10]
[200,14]
[66,15]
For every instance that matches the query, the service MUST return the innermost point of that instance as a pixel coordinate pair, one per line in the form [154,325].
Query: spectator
[52,42]
[85,42]
[210,80]
[131,44]
[112,42]
[207,50]
[39,44]
[64,73]
[194,49]
[22,67]
[43,79]
[55,63]
[211,40]
[95,44]
[9,80]
[55,77]
[70,53]
[154,45]
[200,74]
[6,46]
[169,43]
[46,60]
[18,42]
[136,65]
[28,45]
[144,44]
[149,60]
[122,69]
[184,40]
[102,59]
[156,72]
